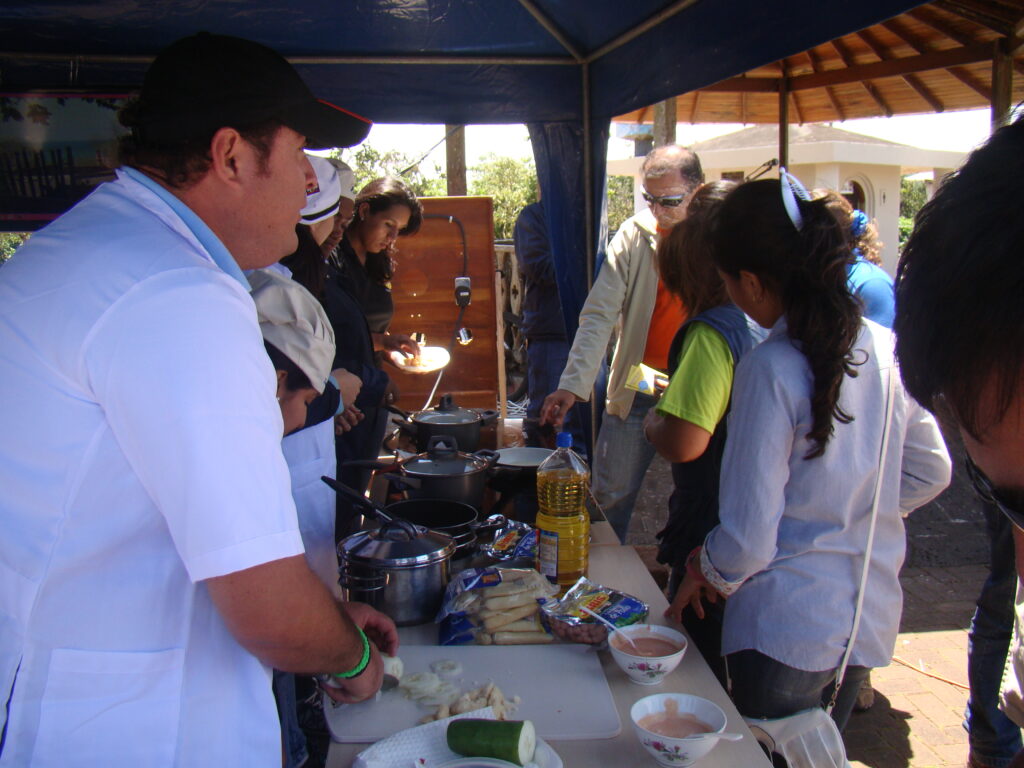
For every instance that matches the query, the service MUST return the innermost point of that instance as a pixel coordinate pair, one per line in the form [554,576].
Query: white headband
[791,190]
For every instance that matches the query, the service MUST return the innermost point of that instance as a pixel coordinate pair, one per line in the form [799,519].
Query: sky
[958,131]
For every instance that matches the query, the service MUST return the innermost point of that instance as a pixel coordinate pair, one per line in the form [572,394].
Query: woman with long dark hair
[688,425]
[801,462]
[385,209]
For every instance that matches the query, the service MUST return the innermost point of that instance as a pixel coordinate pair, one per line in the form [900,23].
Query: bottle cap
[563,440]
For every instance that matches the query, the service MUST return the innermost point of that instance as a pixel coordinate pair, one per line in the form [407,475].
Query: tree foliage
[912,197]
[513,185]
[369,163]
[620,202]
[9,242]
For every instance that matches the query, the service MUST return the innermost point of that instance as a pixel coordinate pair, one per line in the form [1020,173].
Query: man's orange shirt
[669,314]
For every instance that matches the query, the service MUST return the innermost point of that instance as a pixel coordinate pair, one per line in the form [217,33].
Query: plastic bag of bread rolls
[494,606]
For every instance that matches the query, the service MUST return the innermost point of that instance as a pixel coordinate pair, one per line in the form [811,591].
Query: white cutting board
[562,687]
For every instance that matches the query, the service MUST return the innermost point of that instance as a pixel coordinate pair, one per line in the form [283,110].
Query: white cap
[293,321]
[346,177]
[322,200]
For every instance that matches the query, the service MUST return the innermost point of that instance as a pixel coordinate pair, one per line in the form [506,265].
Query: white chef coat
[310,455]
[139,455]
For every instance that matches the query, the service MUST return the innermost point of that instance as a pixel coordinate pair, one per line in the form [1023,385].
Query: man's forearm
[284,615]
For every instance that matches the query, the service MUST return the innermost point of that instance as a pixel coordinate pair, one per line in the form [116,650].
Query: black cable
[427,153]
[462,309]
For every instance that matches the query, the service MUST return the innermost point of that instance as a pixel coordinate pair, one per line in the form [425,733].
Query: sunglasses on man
[987,493]
[669,201]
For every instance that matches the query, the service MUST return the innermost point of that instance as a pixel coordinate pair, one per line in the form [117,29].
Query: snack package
[494,605]
[566,619]
[643,378]
[515,540]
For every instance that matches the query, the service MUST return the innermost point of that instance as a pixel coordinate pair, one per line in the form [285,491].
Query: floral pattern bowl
[672,752]
[647,670]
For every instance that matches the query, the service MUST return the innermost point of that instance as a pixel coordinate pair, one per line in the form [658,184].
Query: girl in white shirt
[800,464]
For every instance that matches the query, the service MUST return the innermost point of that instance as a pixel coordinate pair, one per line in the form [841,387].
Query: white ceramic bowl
[678,753]
[647,670]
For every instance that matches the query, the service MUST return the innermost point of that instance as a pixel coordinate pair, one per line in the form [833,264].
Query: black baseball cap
[204,82]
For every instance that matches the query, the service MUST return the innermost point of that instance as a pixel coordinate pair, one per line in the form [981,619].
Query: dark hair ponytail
[807,268]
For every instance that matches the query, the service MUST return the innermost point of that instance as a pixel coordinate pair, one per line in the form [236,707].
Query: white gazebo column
[938,174]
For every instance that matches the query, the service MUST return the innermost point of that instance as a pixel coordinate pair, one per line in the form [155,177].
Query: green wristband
[363,662]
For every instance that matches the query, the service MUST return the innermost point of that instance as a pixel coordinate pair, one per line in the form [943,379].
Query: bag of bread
[494,606]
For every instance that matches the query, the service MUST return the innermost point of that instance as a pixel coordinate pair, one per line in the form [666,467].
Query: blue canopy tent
[564,67]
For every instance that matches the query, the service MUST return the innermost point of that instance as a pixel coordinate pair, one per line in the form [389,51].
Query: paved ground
[916,721]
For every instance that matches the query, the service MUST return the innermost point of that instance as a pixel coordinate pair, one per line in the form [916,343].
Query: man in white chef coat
[151,568]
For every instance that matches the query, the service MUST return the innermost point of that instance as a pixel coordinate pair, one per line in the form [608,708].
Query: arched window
[854,194]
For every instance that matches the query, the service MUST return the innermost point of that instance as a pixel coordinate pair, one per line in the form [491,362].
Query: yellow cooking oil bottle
[563,523]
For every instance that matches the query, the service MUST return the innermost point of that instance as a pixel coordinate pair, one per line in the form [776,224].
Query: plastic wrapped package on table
[621,568]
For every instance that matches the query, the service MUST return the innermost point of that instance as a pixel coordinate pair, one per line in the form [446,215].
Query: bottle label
[547,553]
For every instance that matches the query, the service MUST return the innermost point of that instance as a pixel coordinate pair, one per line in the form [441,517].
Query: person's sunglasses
[988,494]
[669,201]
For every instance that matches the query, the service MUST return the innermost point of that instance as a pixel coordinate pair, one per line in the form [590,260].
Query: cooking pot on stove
[448,419]
[401,569]
[460,521]
[444,472]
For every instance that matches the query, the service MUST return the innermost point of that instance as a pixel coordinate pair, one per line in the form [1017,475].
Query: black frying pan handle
[403,481]
[357,499]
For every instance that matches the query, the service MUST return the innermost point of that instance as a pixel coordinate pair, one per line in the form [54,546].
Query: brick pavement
[916,720]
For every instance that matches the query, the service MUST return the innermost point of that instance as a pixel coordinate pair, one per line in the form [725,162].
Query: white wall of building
[878,169]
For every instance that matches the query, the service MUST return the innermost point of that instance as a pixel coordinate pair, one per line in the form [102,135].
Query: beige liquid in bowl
[672,723]
[646,645]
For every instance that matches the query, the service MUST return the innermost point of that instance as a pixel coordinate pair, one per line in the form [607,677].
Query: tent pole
[588,175]
[784,122]
[639,29]
[1002,84]
[484,61]
[588,205]
[552,28]
[455,159]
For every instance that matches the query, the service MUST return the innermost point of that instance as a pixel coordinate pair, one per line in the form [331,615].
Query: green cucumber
[512,740]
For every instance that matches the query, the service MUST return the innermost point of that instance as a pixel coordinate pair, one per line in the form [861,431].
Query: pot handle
[363,583]
[374,464]
[397,523]
[492,523]
[488,416]
[442,445]
[402,482]
[489,456]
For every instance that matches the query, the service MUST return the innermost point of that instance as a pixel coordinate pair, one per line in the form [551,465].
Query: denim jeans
[623,456]
[993,737]
[293,740]
[546,360]
[705,633]
[764,687]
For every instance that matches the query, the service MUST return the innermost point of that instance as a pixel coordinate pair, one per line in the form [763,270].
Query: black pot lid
[443,459]
[447,413]
[426,465]
[394,545]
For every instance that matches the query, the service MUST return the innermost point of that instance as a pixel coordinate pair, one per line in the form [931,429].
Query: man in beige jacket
[627,297]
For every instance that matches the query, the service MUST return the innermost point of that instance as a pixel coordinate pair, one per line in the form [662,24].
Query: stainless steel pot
[400,569]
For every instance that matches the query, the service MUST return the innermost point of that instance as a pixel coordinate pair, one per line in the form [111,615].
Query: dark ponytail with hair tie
[807,268]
